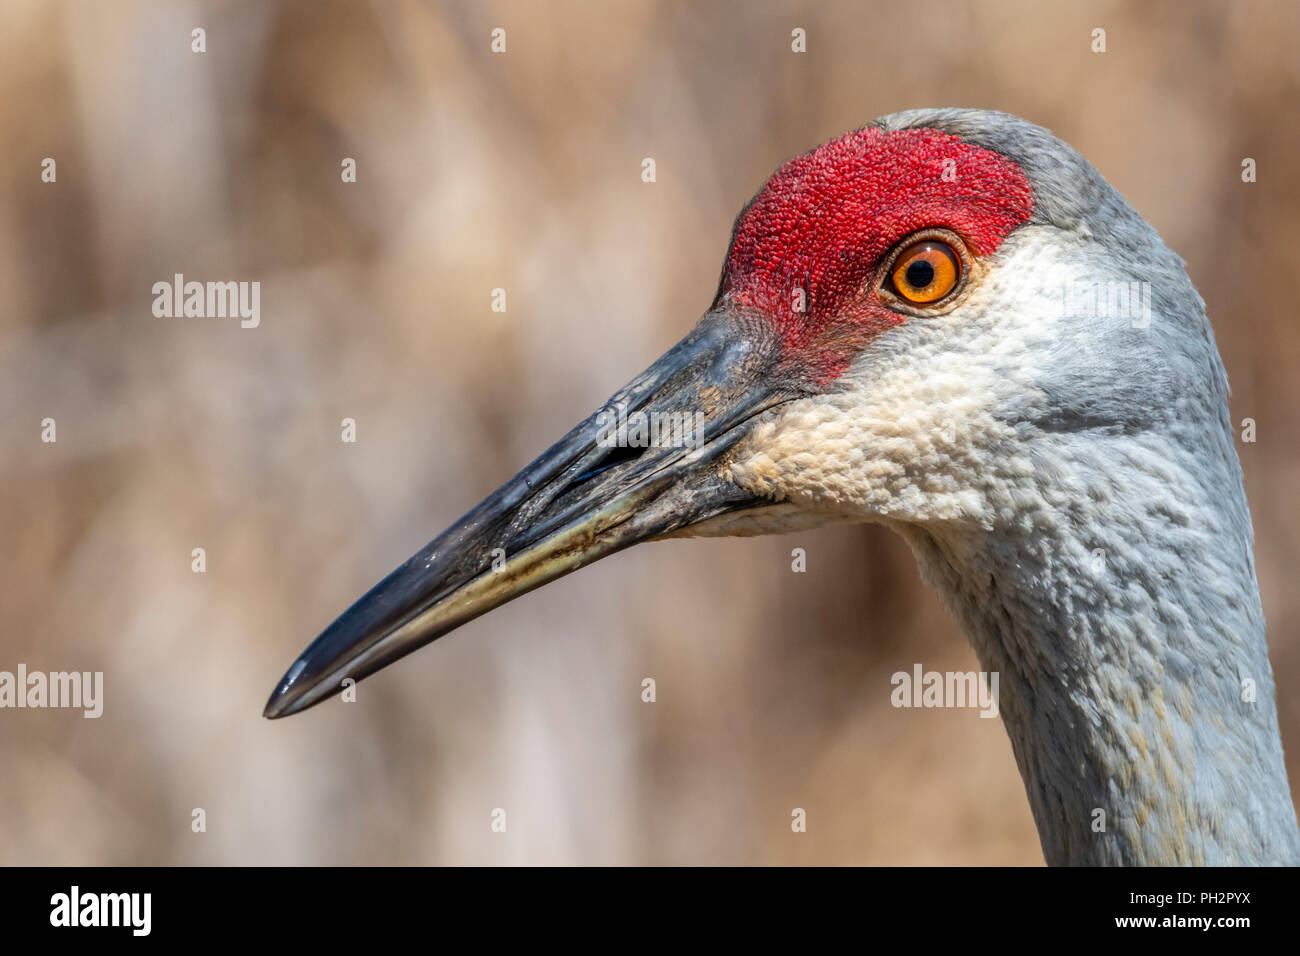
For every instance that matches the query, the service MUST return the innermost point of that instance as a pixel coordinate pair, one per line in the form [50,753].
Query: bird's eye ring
[925,272]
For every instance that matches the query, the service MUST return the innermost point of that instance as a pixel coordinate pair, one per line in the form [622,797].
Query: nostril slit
[617,456]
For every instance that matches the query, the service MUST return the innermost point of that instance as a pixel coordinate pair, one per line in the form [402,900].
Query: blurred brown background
[520,171]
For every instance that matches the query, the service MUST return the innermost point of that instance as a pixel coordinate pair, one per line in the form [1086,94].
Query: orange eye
[926,271]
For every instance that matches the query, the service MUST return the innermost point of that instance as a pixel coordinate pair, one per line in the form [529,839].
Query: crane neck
[1136,689]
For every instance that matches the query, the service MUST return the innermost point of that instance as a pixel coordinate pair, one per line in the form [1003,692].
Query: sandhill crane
[915,326]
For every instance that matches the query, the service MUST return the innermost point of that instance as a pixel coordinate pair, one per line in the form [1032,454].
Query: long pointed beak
[651,461]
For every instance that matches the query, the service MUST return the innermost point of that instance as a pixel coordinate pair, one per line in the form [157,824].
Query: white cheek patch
[921,429]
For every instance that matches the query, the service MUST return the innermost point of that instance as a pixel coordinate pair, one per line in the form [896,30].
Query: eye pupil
[925,272]
[920,274]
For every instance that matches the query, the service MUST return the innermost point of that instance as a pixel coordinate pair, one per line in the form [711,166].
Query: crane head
[888,334]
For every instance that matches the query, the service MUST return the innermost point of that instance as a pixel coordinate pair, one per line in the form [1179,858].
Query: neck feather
[1121,609]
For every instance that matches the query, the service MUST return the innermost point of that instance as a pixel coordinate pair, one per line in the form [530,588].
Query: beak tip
[283,701]
[276,705]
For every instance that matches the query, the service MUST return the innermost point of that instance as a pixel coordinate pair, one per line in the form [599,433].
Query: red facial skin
[825,219]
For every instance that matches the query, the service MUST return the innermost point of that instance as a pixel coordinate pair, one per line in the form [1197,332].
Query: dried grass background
[520,171]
